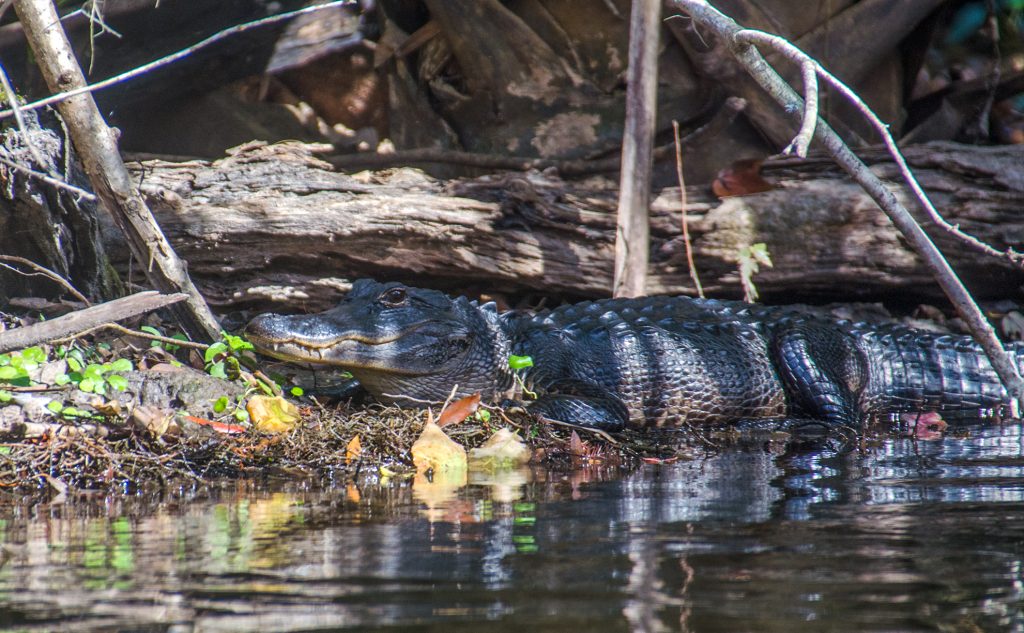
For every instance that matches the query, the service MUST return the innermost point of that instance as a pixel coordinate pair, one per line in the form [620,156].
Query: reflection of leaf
[459,410]
[436,451]
[506,484]
[353,450]
[439,492]
[272,414]
[504,449]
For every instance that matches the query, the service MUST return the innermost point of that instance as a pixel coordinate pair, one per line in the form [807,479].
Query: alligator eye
[393,297]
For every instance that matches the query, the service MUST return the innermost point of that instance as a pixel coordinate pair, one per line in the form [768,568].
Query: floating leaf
[436,451]
[459,410]
[504,449]
[272,414]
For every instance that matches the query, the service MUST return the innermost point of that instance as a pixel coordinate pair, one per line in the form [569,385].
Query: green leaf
[296,391]
[73,363]
[9,372]
[6,396]
[221,405]
[95,372]
[61,379]
[87,384]
[483,415]
[5,359]
[117,381]
[121,365]
[34,354]
[217,370]
[519,362]
[149,329]
[214,350]
[241,415]
[100,388]
[237,343]
[55,406]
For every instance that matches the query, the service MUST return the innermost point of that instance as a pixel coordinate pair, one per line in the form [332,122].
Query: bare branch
[46,272]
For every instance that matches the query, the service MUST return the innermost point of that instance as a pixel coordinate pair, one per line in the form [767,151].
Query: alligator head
[399,342]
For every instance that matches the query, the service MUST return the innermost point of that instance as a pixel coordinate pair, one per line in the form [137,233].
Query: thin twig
[131,332]
[46,272]
[173,57]
[795,54]
[802,141]
[81,194]
[682,210]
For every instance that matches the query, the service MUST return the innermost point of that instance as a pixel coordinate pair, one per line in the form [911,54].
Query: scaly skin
[648,361]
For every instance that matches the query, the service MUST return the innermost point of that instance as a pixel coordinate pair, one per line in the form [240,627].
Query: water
[897,536]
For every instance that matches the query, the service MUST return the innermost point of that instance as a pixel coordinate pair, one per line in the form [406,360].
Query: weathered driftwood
[275,221]
[86,319]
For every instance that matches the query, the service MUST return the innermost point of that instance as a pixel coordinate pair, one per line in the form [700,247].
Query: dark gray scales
[638,362]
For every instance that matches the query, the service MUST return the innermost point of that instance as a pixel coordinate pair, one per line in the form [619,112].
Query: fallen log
[275,223]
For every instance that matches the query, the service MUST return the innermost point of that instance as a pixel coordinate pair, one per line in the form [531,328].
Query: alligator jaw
[350,350]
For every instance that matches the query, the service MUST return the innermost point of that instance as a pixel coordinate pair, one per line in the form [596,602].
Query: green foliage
[518,363]
[483,415]
[223,358]
[750,259]
[15,367]
[170,347]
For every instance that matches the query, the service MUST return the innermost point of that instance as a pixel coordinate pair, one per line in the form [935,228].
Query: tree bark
[275,223]
[102,162]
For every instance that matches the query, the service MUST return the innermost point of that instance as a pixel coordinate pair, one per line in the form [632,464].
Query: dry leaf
[741,178]
[353,450]
[220,427]
[436,451]
[272,414]
[155,420]
[576,445]
[504,449]
[459,410]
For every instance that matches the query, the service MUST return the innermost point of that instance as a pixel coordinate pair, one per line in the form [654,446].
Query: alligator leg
[812,365]
[582,404]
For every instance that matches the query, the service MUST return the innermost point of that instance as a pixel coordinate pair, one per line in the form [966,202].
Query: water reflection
[901,535]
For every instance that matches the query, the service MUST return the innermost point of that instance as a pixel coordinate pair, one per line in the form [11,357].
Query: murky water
[897,536]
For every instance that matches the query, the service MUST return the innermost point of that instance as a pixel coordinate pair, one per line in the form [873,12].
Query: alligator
[652,361]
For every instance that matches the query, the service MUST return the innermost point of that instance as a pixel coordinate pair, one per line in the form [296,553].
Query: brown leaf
[459,410]
[220,427]
[155,420]
[353,450]
[741,178]
[576,445]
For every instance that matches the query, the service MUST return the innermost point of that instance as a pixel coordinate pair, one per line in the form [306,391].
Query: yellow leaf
[272,414]
[435,450]
[504,449]
[353,450]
